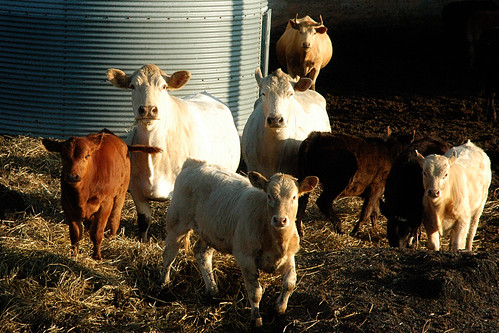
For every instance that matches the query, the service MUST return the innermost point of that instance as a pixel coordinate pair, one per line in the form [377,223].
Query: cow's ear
[308,184]
[257,180]
[294,23]
[453,157]
[321,30]
[420,158]
[303,84]
[178,79]
[118,78]
[52,145]
[258,76]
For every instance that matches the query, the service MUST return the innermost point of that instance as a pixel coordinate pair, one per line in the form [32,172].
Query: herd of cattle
[188,149]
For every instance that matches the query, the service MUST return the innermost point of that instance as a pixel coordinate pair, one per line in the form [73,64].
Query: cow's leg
[253,287]
[432,232]
[325,204]
[371,200]
[204,255]
[313,74]
[174,239]
[459,233]
[75,234]
[97,228]
[113,222]
[473,227]
[302,206]
[288,285]
[143,211]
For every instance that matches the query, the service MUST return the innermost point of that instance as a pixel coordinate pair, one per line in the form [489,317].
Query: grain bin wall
[55,55]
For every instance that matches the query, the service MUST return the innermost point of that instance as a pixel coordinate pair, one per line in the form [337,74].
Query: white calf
[456,187]
[253,219]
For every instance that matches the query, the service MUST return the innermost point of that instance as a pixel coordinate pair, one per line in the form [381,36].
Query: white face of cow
[435,174]
[149,85]
[278,97]
[308,30]
[283,192]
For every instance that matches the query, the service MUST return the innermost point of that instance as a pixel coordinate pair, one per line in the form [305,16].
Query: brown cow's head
[76,153]
[278,90]
[308,29]
[149,85]
[283,192]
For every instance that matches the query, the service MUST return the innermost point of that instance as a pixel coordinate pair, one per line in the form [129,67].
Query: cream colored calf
[253,219]
[456,187]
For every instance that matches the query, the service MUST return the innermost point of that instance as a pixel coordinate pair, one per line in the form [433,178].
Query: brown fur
[94,180]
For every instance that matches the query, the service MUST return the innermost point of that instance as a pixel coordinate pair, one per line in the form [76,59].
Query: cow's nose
[434,193]
[279,222]
[148,111]
[306,45]
[275,121]
[72,178]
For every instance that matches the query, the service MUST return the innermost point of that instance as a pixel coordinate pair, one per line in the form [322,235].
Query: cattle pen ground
[398,76]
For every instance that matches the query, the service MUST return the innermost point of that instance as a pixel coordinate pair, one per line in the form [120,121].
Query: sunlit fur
[241,216]
[270,149]
[456,188]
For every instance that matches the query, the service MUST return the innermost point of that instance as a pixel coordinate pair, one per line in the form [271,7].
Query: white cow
[456,187]
[252,219]
[283,116]
[197,126]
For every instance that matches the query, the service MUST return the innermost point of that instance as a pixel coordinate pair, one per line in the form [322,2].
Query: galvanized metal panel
[55,54]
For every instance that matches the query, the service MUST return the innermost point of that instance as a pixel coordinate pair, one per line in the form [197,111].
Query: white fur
[456,188]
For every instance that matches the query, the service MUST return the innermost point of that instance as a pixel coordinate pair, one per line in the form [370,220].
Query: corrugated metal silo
[55,54]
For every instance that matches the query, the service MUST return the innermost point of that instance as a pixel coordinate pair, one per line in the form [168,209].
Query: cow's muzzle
[72,178]
[147,112]
[275,122]
[433,193]
[280,222]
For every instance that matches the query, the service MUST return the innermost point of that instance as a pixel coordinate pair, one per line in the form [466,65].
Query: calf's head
[76,155]
[149,87]
[308,30]
[435,173]
[278,100]
[283,192]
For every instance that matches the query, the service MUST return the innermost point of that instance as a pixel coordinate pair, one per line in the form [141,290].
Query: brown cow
[94,180]
[348,165]
[304,48]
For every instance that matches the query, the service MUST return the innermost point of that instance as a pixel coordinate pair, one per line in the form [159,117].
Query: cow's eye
[132,86]
[445,176]
[87,156]
[294,197]
[263,94]
[164,86]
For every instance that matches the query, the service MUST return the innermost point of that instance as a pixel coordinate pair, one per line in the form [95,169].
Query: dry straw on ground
[44,288]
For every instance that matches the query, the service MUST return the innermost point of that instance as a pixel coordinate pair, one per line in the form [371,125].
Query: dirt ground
[397,76]
[404,77]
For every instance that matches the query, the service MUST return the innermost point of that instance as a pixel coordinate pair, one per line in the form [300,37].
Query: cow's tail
[144,149]
[187,241]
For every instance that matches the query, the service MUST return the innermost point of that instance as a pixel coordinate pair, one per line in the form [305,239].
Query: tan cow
[283,116]
[253,219]
[455,191]
[197,126]
[304,48]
